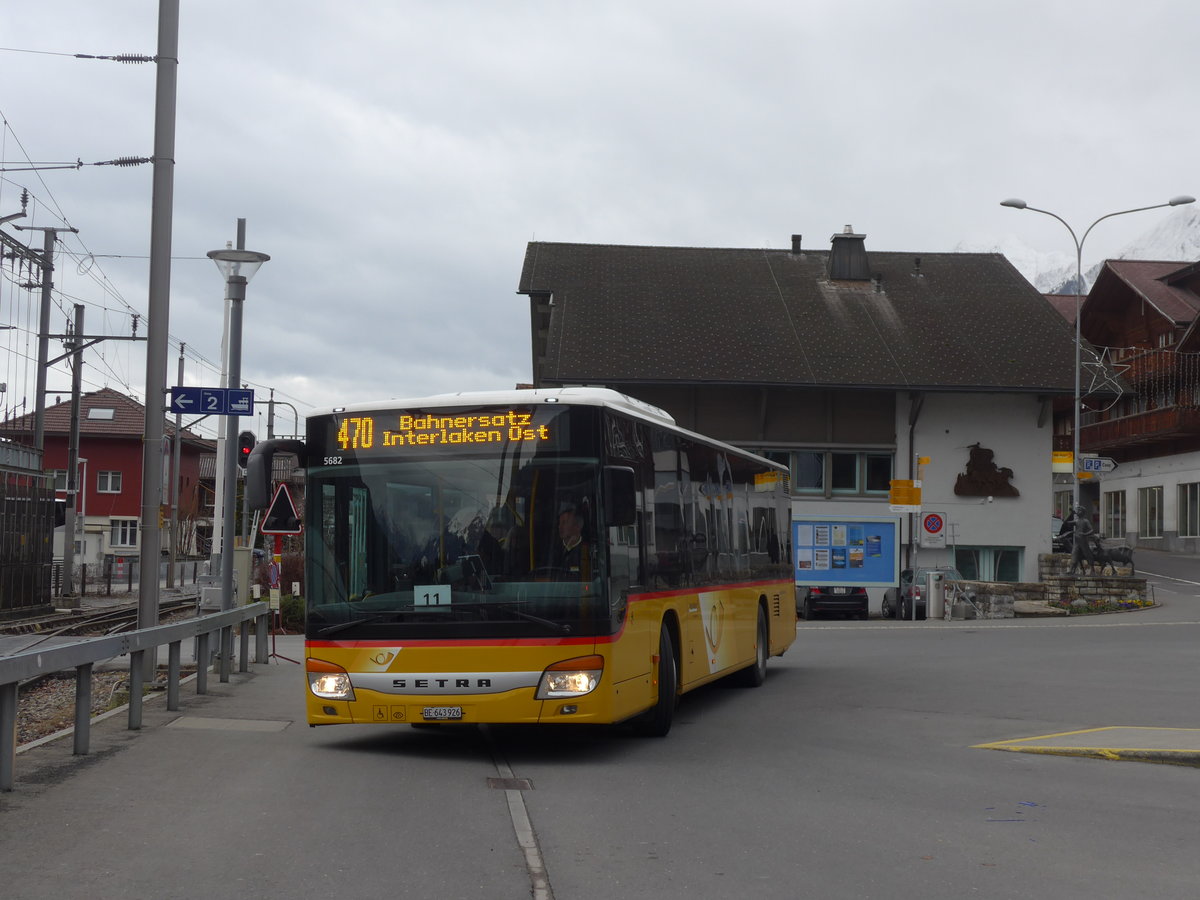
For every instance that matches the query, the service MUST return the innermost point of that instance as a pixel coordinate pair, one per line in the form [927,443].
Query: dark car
[814,600]
[900,602]
[1062,535]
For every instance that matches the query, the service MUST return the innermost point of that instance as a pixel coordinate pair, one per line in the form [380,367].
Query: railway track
[90,623]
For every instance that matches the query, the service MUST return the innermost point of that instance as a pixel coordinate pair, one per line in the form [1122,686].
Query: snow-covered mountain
[1176,237]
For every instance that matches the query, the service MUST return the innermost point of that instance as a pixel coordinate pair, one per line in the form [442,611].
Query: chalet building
[111,427]
[1143,317]
[852,367]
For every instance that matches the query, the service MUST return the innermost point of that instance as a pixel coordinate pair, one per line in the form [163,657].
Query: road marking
[535,863]
[1172,578]
[977,624]
[1160,745]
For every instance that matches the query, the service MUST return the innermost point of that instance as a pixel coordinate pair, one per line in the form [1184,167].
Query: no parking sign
[933,530]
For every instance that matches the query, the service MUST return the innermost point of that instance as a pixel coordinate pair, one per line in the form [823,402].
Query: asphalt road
[853,772]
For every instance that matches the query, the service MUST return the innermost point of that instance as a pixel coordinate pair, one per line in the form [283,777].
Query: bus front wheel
[656,721]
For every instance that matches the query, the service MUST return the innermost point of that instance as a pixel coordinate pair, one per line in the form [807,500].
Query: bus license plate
[442,713]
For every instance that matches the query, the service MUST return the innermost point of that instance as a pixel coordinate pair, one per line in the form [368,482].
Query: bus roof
[576,396]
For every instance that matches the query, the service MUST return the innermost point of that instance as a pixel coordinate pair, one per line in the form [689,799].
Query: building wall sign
[983,478]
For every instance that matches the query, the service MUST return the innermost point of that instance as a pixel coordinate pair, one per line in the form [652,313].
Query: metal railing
[83,654]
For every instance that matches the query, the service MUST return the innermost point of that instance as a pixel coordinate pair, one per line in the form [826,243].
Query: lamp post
[238,267]
[1021,204]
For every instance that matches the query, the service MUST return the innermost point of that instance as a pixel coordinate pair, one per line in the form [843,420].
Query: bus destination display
[399,430]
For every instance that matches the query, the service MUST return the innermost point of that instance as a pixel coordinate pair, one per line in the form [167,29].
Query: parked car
[814,600]
[899,602]
[1062,535]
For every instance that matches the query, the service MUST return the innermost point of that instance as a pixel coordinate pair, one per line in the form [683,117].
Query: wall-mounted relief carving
[983,478]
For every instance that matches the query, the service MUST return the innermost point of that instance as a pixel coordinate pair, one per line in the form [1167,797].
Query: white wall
[1006,424]
[1167,472]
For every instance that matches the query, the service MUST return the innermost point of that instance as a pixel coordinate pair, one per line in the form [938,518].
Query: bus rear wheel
[656,721]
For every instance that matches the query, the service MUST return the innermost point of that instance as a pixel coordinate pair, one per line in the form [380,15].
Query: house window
[879,472]
[1062,504]
[808,472]
[102,413]
[988,563]
[1114,514]
[843,471]
[1189,510]
[1150,512]
[60,479]
[123,532]
[837,472]
[108,482]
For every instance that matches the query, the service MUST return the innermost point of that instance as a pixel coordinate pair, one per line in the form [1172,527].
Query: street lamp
[237,267]
[1021,204]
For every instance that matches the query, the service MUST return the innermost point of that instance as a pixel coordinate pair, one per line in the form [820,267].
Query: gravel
[48,705]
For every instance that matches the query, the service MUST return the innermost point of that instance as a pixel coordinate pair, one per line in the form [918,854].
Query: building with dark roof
[1144,316]
[850,365]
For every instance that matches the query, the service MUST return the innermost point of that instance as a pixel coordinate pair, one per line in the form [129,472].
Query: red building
[109,479]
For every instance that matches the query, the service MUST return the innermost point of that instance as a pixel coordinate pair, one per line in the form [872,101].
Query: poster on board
[846,550]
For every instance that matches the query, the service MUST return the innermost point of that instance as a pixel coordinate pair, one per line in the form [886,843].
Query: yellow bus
[533,556]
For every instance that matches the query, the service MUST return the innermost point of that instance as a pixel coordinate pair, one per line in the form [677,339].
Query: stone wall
[1115,589]
[1004,600]
[1052,564]
[996,599]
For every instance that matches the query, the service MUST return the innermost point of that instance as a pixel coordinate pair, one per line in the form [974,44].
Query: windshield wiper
[342,626]
[560,627]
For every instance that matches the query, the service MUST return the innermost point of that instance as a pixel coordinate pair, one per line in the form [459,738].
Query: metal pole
[159,307]
[69,524]
[236,294]
[175,458]
[39,398]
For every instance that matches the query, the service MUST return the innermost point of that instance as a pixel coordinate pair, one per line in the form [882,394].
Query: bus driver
[571,553]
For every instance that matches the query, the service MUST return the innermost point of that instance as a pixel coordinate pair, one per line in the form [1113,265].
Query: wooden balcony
[1154,426]
[1150,364]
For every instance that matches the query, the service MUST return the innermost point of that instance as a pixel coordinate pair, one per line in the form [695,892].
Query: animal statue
[1111,557]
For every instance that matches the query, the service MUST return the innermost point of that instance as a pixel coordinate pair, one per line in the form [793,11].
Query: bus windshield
[456,547]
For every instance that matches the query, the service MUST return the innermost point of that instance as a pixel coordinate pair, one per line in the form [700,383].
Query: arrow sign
[1096,464]
[185,399]
[281,517]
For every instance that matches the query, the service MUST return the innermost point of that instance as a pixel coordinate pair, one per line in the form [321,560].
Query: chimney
[848,256]
[796,243]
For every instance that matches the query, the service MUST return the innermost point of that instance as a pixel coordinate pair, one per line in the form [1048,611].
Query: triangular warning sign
[281,516]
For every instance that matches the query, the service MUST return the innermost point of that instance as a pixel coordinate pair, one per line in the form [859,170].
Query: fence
[81,656]
[111,578]
[26,529]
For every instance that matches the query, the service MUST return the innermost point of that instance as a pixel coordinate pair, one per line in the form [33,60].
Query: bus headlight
[570,678]
[328,681]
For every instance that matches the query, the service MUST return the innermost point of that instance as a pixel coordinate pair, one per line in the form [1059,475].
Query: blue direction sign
[1096,464]
[212,401]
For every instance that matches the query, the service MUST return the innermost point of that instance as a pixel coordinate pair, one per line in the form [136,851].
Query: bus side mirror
[620,505]
[258,469]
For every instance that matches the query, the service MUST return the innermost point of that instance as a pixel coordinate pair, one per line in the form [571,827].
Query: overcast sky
[394,158]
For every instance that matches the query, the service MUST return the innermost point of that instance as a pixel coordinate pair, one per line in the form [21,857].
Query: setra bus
[531,556]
